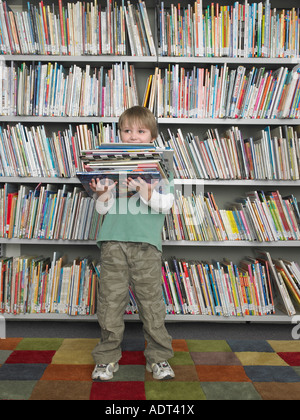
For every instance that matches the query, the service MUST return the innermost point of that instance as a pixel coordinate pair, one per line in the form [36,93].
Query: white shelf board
[204,182]
[275,244]
[33,241]
[277,318]
[171,120]
[50,119]
[35,179]
[90,59]
[156,59]
[227,121]
[229,60]
[237,182]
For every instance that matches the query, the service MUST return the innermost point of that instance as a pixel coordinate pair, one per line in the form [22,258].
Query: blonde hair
[141,116]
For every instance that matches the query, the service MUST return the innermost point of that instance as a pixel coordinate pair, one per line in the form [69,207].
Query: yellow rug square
[249,358]
[73,357]
[285,345]
[79,343]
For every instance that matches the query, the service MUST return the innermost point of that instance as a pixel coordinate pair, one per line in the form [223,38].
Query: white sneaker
[161,370]
[105,372]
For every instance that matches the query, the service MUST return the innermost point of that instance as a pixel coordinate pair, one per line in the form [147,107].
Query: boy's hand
[103,190]
[144,188]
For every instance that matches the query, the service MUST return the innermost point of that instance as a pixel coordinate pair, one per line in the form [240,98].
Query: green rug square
[129,373]
[40,344]
[172,391]
[181,358]
[208,345]
[16,390]
[230,391]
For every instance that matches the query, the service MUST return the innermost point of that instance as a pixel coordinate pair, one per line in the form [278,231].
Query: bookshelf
[222,188]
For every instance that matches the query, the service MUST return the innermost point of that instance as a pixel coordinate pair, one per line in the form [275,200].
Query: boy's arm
[161,203]
[103,207]
[149,195]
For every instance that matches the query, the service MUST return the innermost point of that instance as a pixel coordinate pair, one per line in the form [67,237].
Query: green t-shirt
[131,220]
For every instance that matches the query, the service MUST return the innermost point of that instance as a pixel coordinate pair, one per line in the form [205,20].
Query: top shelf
[149,60]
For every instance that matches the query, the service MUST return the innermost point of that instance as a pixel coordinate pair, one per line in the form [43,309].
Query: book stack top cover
[118,161]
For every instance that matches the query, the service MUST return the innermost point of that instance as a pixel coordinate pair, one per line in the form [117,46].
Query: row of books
[220,92]
[254,286]
[81,28]
[37,284]
[67,212]
[259,216]
[87,28]
[30,152]
[51,90]
[238,30]
[273,154]
[48,211]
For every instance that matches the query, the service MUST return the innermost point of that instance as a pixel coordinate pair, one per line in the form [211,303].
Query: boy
[130,243]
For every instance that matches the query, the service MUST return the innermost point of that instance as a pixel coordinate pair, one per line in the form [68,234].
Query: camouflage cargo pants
[138,264]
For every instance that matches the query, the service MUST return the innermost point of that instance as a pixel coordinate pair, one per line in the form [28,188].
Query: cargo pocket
[101,313]
[157,314]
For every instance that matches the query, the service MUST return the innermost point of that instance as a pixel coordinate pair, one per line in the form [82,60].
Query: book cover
[119,177]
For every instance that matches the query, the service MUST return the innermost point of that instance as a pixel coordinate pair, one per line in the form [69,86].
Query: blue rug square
[22,372]
[271,374]
[250,345]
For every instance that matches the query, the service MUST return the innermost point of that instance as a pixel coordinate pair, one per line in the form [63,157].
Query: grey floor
[133,330]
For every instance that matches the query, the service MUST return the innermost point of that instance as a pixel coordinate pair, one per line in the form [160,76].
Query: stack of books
[117,161]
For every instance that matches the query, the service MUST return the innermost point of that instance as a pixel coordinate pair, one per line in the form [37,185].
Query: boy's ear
[152,140]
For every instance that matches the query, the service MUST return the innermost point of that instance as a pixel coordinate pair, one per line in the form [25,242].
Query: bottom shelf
[277,318]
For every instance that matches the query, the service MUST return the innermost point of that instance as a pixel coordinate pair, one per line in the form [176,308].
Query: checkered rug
[60,369]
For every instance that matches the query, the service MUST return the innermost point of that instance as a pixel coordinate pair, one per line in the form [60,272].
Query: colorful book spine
[39,285]
[82,28]
[271,155]
[262,217]
[241,30]
[234,93]
[50,90]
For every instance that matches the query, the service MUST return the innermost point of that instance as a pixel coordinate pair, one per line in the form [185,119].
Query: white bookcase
[223,189]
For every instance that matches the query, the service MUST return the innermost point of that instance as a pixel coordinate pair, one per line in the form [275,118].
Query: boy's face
[135,133]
